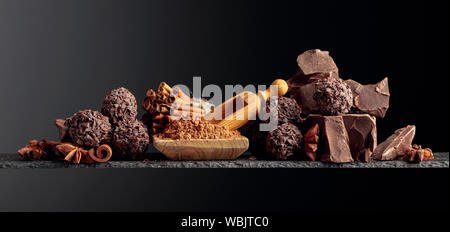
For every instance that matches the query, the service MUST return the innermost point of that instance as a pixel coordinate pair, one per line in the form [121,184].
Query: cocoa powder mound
[196,129]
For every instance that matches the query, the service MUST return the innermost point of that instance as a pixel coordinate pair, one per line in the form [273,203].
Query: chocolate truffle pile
[129,135]
[116,125]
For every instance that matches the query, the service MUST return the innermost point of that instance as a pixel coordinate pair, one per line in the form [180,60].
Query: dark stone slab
[12,161]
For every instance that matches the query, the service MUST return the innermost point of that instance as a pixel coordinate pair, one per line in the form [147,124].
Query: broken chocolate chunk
[62,130]
[396,145]
[371,99]
[334,139]
[316,61]
[362,133]
[345,138]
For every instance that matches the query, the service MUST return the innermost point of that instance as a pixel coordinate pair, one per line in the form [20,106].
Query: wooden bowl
[201,149]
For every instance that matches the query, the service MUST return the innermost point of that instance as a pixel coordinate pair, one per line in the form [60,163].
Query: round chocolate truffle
[89,128]
[333,96]
[288,110]
[119,105]
[130,138]
[284,142]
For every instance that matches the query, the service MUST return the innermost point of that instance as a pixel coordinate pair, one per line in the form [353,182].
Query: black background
[57,57]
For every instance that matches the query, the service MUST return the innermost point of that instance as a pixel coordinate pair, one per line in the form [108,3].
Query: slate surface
[14,162]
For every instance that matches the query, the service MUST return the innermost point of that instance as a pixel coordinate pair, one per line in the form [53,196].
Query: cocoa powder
[196,129]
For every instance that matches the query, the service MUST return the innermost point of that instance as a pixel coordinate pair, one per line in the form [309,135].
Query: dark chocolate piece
[396,145]
[89,128]
[316,61]
[334,139]
[362,133]
[257,139]
[284,142]
[119,105]
[371,99]
[130,138]
[333,97]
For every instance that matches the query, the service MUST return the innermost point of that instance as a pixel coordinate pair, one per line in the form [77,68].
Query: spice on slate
[196,129]
[38,150]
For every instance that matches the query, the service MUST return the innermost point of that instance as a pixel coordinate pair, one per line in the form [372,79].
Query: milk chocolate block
[371,99]
[396,145]
[362,133]
[345,138]
[316,61]
[334,139]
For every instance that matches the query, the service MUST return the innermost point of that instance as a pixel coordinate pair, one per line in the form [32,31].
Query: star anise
[418,154]
[74,154]
[38,150]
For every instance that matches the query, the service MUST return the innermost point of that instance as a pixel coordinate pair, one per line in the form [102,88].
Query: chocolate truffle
[302,89]
[333,96]
[88,128]
[288,110]
[119,105]
[284,142]
[130,138]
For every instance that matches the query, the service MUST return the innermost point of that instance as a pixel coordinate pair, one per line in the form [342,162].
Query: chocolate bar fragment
[345,138]
[396,145]
[362,133]
[371,99]
[316,61]
[334,140]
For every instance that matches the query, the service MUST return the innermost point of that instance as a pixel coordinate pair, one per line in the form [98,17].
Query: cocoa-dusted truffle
[288,110]
[130,138]
[333,96]
[119,105]
[284,142]
[88,128]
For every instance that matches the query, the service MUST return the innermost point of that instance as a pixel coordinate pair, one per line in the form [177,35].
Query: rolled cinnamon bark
[103,153]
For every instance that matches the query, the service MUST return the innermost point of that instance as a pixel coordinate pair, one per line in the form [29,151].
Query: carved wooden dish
[201,149]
